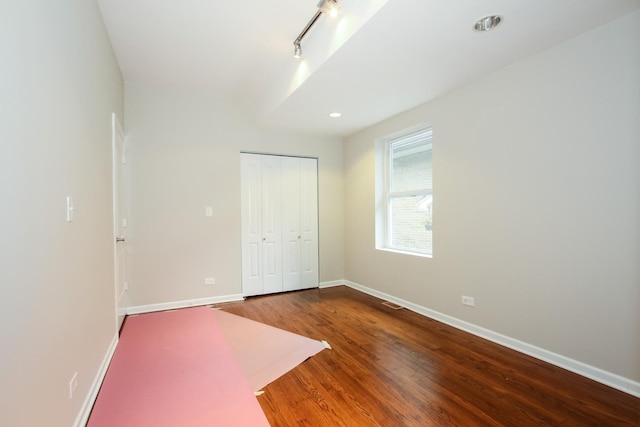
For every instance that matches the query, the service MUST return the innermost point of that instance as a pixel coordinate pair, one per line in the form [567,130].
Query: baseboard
[87,405]
[183,304]
[604,377]
[331,284]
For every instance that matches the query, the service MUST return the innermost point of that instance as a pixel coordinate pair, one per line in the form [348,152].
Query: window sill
[399,251]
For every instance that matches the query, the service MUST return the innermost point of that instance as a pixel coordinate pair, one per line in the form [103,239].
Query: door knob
[119,239]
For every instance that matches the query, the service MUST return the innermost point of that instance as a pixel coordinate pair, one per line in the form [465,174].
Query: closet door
[271,224]
[279,223]
[309,223]
[261,194]
[291,233]
[251,202]
[300,223]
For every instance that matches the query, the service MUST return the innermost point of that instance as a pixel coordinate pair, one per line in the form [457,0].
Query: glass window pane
[411,222]
[411,167]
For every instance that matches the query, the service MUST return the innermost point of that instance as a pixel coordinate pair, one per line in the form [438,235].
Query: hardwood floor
[397,368]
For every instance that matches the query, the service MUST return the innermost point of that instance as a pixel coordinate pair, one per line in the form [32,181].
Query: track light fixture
[329,7]
[487,23]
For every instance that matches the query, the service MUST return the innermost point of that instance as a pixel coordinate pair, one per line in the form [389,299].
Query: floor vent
[392,305]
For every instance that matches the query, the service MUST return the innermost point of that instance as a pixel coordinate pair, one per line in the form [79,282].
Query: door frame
[119,249]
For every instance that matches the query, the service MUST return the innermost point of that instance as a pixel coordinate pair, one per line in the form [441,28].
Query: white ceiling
[376,59]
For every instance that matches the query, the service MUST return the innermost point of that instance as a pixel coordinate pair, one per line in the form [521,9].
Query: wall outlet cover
[470,301]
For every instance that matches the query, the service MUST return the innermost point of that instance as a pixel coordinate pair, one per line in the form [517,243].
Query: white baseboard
[331,284]
[90,399]
[183,304]
[610,379]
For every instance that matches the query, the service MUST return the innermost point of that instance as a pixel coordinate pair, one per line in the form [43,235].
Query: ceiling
[376,59]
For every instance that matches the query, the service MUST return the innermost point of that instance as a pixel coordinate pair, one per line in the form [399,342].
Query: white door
[251,201]
[271,224]
[309,223]
[119,219]
[291,233]
[261,195]
[279,229]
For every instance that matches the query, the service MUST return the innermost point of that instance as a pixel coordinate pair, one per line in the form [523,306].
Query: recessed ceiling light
[487,23]
[335,115]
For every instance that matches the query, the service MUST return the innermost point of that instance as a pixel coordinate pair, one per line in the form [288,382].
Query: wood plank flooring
[397,368]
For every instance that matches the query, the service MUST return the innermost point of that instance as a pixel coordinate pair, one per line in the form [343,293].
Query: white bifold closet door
[299,223]
[279,223]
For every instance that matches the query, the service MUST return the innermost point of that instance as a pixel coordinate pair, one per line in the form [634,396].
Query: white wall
[537,202]
[59,83]
[184,154]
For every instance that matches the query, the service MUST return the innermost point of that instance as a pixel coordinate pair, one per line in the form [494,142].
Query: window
[404,215]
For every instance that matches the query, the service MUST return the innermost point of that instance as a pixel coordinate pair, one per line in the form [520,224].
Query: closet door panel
[272,224]
[251,205]
[291,223]
[309,223]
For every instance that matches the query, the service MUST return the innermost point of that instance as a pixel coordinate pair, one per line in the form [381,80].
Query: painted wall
[184,154]
[536,202]
[59,84]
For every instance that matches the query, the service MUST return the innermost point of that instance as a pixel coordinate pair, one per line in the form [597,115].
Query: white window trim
[384,195]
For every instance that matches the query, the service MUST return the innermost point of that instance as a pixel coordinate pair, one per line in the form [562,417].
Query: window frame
[386,195]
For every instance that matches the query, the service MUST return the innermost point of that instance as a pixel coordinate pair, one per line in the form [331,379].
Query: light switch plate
[73,384]
[70,208]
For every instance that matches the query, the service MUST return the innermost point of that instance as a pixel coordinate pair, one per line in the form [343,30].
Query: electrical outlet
[73,384]
[208,281]
[470,301]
